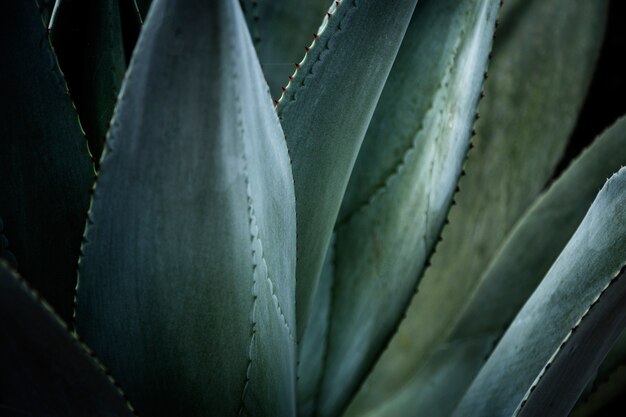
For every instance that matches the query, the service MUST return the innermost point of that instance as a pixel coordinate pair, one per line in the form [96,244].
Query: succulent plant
[173,238]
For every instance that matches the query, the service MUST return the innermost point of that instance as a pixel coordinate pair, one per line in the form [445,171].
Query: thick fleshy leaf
[44,369]
[536,86]
[281,31]
[522,262]
[325,112]
[527,255]
[580,296]
[93,40]
[403,183]
[186,286]
[45,168]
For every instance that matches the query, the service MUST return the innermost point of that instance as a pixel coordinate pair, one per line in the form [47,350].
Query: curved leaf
[514,274]
[45,168]
[44,369]
[579,289]
[92,40]
[409,164]
[325,112]
[537,83]
[186,286]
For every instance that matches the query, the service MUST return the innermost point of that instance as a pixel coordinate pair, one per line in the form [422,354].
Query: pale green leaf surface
[90,39]
[545,328]
[45,370]
[527,254]
[384,241]
[438,386]
[282,30]
[520,265]
[537,83]
[325,112]
[186,287]
[45,167]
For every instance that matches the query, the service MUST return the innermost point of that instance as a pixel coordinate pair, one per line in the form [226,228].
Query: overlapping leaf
[524,259]
[402,186]
[186,287]
[575,310]
[45,167]
[325,112]
[43,369]
[536,86]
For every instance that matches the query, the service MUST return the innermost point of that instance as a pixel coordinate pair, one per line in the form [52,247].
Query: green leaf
[402,186]
[536,86]
[325,112]
[523,260]
[527,255]
[186,286]
[567,326]
[45,169]
[93,40]
[435,390]
[45,369]
[281,31]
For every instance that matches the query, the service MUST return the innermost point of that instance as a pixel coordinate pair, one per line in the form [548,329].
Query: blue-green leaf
[46,371]
[525,257]
[577,309]
[45,167]
[187,283]
[325,112]
[402,186]
[536,86]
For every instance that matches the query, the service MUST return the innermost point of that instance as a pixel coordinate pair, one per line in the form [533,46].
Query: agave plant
[175,239]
